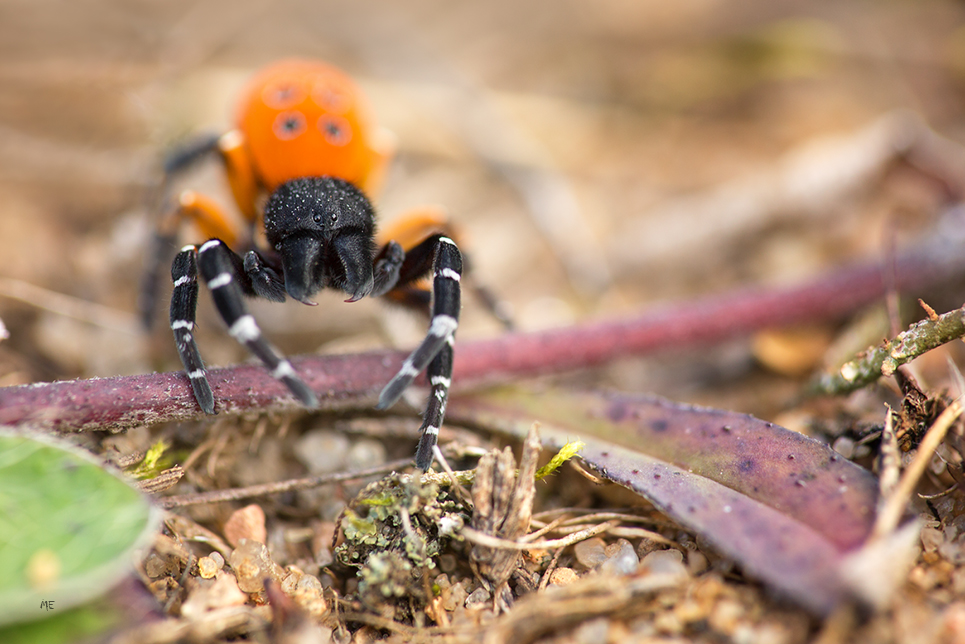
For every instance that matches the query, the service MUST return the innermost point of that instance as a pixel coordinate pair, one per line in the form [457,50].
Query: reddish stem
[353,381]
[703,321]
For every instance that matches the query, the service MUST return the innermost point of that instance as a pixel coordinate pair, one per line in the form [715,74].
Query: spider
[304,138]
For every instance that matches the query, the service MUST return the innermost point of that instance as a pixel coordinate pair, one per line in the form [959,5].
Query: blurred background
[601,156]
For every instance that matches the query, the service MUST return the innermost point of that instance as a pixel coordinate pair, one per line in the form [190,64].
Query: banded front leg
[439,373]
[223,272]
[184,303]
[435,351]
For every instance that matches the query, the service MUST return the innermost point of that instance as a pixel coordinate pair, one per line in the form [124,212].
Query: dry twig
[884,360]
[264,489]
[68,306]
[490,541]
[894,507]
[503,504]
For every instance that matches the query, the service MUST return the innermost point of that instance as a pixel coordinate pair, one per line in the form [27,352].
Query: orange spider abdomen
[307,119]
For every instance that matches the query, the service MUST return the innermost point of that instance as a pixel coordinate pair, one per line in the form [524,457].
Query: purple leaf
[784,506]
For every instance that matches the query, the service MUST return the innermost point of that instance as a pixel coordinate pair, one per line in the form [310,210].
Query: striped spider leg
[441,256]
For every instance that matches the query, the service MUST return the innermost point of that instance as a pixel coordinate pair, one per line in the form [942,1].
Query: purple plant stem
[353,381]
[705,321]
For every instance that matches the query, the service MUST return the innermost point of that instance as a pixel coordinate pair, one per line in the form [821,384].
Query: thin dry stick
[445,479]
[581,514]
[586,514]
[207,444]
[889,462]
[72,307]
[163,481]
[619,531]
[490,541]
[894,506]
[592,596]
[545,579]
[380,622]
[593,517]
[640,533]
[264,489]
[549,527]
[457,488]
[212,465]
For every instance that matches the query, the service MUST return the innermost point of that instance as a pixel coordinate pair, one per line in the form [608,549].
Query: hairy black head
[322,229]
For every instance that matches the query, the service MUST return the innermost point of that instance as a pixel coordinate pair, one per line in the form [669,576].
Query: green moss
[394,531]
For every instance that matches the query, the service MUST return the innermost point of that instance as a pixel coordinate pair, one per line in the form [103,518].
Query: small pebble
[665,562]
[157,566]
[931,538]
[726,616]
[322,451]
[563,577]
[951,532]
[246,523]
[252,565]
[221,592]
[442,581]
[689,611]
[952,552]
[208,567]
[590,553]
[844,446]
[622,559]
[667,622]
[308,595]
[289,583]
[697,562]
[442,587]
[478,598]
[592,632]
[365,453]
[455,598]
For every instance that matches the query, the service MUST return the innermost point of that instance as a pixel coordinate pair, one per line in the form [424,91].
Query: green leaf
[67,526]
[64,626]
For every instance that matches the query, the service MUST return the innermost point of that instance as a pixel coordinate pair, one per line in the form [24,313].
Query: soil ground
[601,157]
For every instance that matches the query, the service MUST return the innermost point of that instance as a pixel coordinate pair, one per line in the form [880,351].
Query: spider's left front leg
[440,255]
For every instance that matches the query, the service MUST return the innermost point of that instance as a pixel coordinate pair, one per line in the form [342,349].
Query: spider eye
[283,95]
[335,129]
[317,217]
[289,125]
[331,95]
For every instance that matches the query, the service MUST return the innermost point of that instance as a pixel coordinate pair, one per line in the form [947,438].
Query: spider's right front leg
[184,303]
